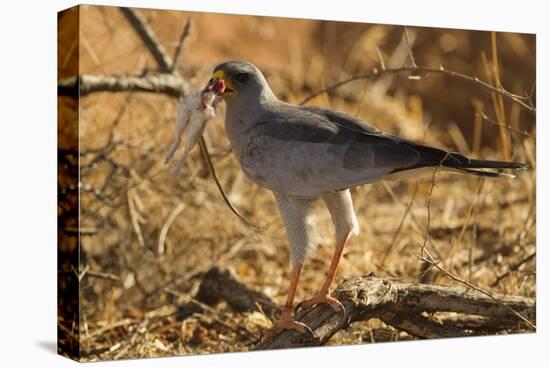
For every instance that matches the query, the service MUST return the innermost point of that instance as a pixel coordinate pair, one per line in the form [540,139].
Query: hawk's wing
[305,151]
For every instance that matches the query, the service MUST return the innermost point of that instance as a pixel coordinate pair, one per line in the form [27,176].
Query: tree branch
[169,84]
[149,40]
[184,34]
[376,73]
[398,304]
[506,126]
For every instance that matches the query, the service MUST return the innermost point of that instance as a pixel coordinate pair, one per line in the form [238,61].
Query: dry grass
[479,230]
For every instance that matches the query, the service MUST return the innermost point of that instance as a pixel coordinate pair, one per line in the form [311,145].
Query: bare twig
[458,239]
[415,220]
[411,55]
[507,126]
[381,59]
[184,34]
[428,208]
[148,37]
[400,226]
[376,73]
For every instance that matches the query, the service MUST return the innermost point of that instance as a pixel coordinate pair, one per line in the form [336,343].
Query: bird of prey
[309,154]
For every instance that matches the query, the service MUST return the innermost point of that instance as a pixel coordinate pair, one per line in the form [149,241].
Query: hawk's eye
[241,77]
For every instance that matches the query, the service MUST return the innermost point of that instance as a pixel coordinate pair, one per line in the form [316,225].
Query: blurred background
[146,238]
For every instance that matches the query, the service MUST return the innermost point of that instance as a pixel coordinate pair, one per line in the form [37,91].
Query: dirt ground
[146,238]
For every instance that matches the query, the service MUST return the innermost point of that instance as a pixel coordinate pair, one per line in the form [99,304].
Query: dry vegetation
[147,238]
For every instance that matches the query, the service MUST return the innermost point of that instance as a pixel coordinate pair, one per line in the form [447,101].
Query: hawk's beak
[223,86]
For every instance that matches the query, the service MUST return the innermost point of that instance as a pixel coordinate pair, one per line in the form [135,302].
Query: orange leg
[286,321]
[323,296]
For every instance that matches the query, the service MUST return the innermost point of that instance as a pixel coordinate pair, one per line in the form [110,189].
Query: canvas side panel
[68,343]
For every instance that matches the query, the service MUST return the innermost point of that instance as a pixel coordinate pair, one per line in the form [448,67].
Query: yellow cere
[220,75]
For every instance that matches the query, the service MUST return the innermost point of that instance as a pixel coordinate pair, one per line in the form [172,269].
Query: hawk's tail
[458,162]
[429,157]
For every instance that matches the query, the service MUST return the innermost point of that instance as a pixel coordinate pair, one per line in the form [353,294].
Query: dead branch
[184,34]
[506,126]
[149,40]
[376,73]
[166,82]
[409,49]
[169,84]
[400,226]
[398,304]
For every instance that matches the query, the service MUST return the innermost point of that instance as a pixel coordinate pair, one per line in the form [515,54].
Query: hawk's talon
[288,325]
[308,304]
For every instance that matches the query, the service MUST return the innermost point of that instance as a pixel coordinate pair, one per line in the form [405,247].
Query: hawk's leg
[297,217]
[323,295]
[287,320]
[340,206]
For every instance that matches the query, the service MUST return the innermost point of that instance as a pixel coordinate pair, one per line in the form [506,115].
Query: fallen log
[219,284]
